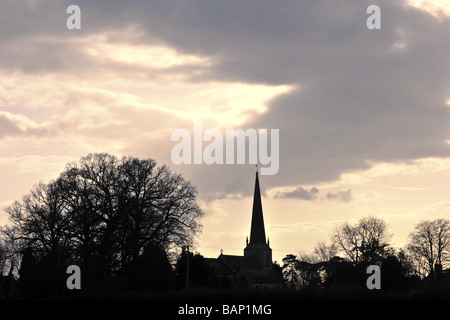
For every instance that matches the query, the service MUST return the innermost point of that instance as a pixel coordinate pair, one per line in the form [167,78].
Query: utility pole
[187,267]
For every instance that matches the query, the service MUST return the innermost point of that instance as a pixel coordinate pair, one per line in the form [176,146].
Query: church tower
[258,247]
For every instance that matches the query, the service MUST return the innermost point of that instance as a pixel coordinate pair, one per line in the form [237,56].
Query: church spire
[257,248]
[257,232]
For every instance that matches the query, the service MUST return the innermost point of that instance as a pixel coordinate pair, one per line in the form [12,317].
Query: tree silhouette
[199,273]
[324,252]
[28,281]
[291,273]
[429,245]
[397,272]
[363,243]
[341,273]
[150,271]
[102,214]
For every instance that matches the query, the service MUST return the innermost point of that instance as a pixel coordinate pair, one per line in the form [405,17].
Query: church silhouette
[255,268]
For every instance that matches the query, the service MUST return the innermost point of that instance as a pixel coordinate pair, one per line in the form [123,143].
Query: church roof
[236,263]
[257,232]
[219,267]
[244,267]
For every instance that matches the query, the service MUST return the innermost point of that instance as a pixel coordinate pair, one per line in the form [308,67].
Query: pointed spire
[257,232]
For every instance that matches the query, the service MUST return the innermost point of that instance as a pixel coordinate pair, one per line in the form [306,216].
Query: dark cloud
[300,193]
[362,96]
[313,195]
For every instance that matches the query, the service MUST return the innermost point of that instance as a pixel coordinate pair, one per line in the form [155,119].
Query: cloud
[299,193]
[355,97]
[437,8]
[360,98]
[13,124]
[341,196]
[313,194]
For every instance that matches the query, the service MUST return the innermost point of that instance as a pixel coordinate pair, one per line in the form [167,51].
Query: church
[255,268]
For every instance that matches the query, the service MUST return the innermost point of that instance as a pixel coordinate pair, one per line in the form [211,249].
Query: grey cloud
[360,99]
[7,127]
[12,126]
[358,102]
[313,195]
[341,196]
[300,193]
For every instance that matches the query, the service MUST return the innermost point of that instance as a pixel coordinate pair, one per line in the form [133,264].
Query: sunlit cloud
[143,56]
[17,124]
[437,8]
[423,166]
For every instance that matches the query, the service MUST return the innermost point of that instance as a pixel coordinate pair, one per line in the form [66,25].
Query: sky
[363,115]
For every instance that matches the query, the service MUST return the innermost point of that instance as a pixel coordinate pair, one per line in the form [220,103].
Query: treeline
[342,264]
[339,269]
[120,220]
[125,222]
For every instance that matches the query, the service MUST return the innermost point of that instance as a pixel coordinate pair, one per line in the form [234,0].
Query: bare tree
[40,221]
[363,242]
[3,258]
[325,252]
[429,244]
